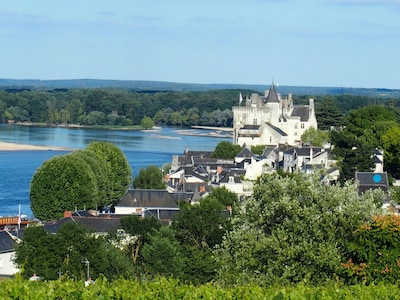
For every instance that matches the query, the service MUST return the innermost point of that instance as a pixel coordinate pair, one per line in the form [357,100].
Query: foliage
[199,228]
[365,129]
[391,147]
[149,178]
[50,255]
[171,288]
[328,114]
[162,254]
[202,225]
[353,155]
[62,183]
[315,137]
[140,228]
[99,168]
[96,176]
[226,150]
[118,107]
[293,229]
[375,251]
[119,171]
[147,123]
[257,149]
[224,196]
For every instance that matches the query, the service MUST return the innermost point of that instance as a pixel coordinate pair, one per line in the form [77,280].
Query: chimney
[67,214]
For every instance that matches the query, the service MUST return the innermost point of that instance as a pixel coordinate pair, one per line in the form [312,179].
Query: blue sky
[349,43]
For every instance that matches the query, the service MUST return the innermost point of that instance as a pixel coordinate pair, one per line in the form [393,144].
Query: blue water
[141,149]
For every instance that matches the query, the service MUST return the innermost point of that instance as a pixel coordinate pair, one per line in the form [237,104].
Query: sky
[328,43]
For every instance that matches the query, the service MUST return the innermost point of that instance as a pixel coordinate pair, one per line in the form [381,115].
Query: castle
[271,119]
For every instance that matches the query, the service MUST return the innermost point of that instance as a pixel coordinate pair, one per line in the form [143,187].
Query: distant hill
[139,85]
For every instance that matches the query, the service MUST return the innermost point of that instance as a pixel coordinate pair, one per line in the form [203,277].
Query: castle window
[302,125]
[254,121]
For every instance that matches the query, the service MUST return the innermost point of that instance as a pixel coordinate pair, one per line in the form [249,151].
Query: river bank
[6,146]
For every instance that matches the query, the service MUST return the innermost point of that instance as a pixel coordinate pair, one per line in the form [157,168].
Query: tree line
[115,107]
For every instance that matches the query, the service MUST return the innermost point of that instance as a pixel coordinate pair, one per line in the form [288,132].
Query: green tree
[226,150]
[257,149]
[162,254]
[375,251]
[119,171]
[99,168]
[62,183]
[353,154]
[315,137]
[391,147]
[199,228]
[293,229]
[149,178]
[328,114]
[147,123]
[140,228]
[49,255]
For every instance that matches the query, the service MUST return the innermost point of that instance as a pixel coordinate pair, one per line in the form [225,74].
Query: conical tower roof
[272,94]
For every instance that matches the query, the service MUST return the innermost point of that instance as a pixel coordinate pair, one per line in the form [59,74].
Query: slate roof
[245,152]
[250,127]
[371,180]
[195,157]
[152,198]
[301,111]
[303,151]
[102,224]
[226,178]
[6,242]
[278,130]
[272,94]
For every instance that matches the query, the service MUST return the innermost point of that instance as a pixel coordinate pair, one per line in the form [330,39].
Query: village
[268,120]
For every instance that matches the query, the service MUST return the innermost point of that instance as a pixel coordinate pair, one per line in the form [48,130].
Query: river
[142,148]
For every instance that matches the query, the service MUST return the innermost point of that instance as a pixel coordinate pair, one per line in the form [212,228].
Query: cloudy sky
[348,43]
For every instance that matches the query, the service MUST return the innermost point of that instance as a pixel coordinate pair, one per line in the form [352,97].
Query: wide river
[142,148]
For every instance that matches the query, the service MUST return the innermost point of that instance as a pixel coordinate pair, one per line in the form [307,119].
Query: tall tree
[149,178]
[119,171]
[62,183]
[293,229]
[328,114]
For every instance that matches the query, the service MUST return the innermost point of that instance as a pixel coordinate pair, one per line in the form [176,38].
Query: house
[371,181]
[158,203]
[100,224]
[7,252]
[271,119]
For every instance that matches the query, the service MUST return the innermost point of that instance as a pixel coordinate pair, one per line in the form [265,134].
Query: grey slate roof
[6,242]
[303,151]
[301,111]
[272,95]
[278,130]
[97,224]
[245,152]
[153,198]
[371,180]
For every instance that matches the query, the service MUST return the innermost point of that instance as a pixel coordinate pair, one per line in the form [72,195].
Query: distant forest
[121,107]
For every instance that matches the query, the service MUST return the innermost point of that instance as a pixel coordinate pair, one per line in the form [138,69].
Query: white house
[7,252]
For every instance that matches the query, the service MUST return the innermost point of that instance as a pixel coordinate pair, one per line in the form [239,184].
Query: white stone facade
[271,120]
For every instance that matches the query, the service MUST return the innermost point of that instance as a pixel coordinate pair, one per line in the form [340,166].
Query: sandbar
[6,146]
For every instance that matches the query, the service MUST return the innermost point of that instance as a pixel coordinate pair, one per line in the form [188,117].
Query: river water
[141,149]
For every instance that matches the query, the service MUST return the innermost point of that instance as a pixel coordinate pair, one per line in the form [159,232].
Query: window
[254,121]
[302,125]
